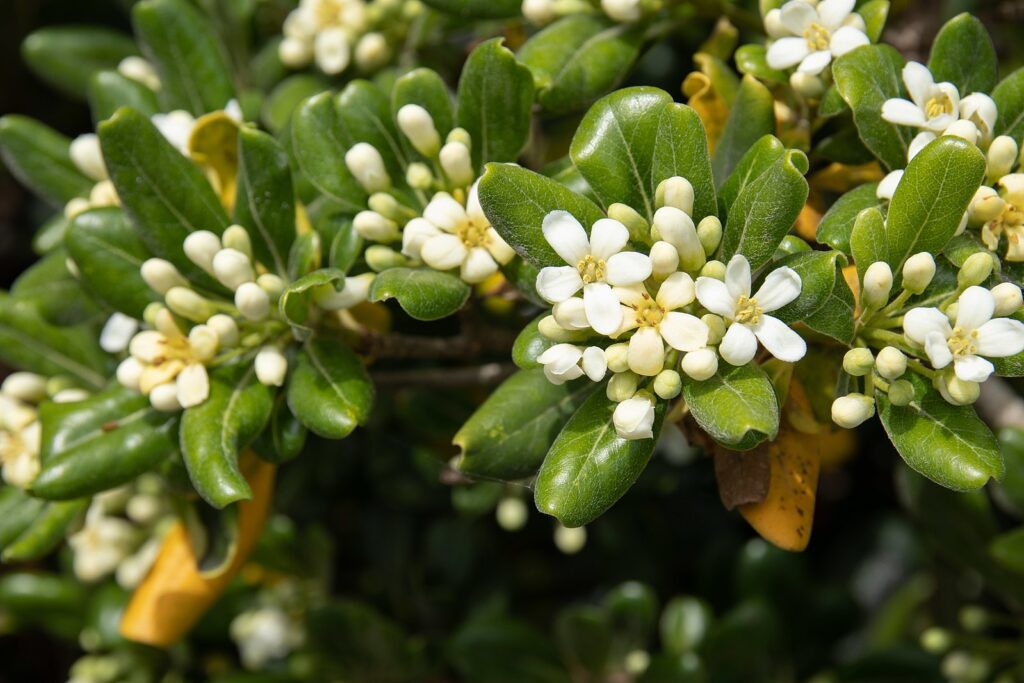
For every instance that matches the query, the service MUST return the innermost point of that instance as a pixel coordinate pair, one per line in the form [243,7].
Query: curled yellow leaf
[213,145]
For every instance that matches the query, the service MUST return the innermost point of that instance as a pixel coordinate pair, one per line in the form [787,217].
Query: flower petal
[903,113]
[1000,338]
[634,418]
[845,40]
[566,236]
[738,345]
[920,141]
[607,238]
[675,292]
[780,339]
[787,52]
[683,331]
[559,283]
[561,357]
[919,82]
[796,16]
[937,348]
[714,296]
[474,210]
[570,314]
[603,310]
[780,287]
[193,385]
[478,266]
[832,13]
[918,323]
[498,247]
[595,364]
[887,188]
[628,268]
[815,62]
[646,353]
[737,276]
[414,234]
[443,252]
[445,213]
[972,368]
[974,308]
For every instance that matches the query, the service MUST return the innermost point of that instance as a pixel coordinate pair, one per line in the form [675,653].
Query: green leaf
[364,113]
[110,90]
[67,56]
[964,55]
[38,157]
[874,13]
[45,532]
[214,432]
[346,247]
[50,235]
[30,343]
[297,297]
[305,255]
[517,200]
[477,9]
[508,436]
[948,444]
[530,344]
[1008,549]
[579,58]
[867,77]
[319,145]
[55,292]
[490,76]
[188,55]
[752,60]
[165,195]
[633,139]
[265,203]
[930,201]
[1009,99]
[765,210]
[285,98]
[589,466]
[751,117]
[427,89]
[1010,366]
[761,156]
[836,226]
[109,255]
[100,443]
[825,303]
[329,390]
[423,293]
[284,437]
[584,637]
[685,622]
[868,241]
[737,407]
[19,511]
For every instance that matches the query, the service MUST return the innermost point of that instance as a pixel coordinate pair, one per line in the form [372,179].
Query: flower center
[11,446]
[648,312]
[472,235]
[174,348]
[817,36]
[963,343]
[591,269]
[938,105]
[747,311]
[1012,217]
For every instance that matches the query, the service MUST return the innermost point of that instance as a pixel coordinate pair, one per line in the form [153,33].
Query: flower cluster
[543,12]
[607,292]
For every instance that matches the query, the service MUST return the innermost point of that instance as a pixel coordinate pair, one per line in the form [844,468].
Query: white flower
[101,545]
[595,264]
[656,319]
[450,235]
[167,357]
[332,50]
[118,332]
[264,635]
[932,106]
[981,110]
[749,324]
[1010,218]
[566,362]
[634,418]
[815,34]
[133,570]
[974,335]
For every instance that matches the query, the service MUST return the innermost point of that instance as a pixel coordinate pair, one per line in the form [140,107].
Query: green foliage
[66,56]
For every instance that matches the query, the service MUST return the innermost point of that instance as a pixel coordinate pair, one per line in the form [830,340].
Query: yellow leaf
[213,145]
[174,595]
[709,105]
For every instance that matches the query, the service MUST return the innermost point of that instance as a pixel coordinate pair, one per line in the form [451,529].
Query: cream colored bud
[901,392]
[877,285]
[773,26]
[976,269]
[295,53]
[366,164]
[204,341]
[622,386]
[713,269]
[372,51]
[675,226]
[700,365]
[625,11]
[511,513]
[852,410]
[985,206]
[617,356]
[965,130]
[570,540]
[226,329]
[271,366]
[140,70]
[809,86]
[1002,155]
[252,302]
[72,395]
[75,207]
[460,135]
[164,397]
[418,176]
[103,193]
[375,227]
[716,327]
[150,312]
[129,371]
[1008,298]
[668,384]
[200,247]
[389,207]
[27,387]
[709,232]
[380,257]
[232,268]
[664,260]
[236,237]
[891,363]
[189,305]
[272,284]
[676,192]
[418,126]
[539,12]
[955,390]
[858,362]
[634,222]
[161,275]
[457,164]
[332,50]
[86,154]
[918,271]
[550,328]
[571,314]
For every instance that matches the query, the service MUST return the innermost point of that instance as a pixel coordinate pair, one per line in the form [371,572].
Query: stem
[897,303]
[920,369]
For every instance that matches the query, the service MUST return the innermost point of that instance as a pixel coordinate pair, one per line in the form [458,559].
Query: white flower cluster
[452,232]
[265,634]
[654,300]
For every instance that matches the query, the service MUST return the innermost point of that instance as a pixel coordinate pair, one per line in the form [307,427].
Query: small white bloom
[980,109]
[118,332]
[418,126]
[19,454]
[200,247]
[595,264]
[457,164]
[372,51]
[746,314]
[264,635]
[101,545]
[88,157]
[932,106]
[271,366]
[1008,299]
[129,372]
[816,35]
[332,50]
[192,385]
[624,11]
[367,166]
[27,387]
[852,410]
[232,268]
[511,513]
[974,336]
[634,418]
[566,362]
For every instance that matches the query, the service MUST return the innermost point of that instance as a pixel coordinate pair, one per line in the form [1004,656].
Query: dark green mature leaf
[825,303]
[530,344]
[265,203]
[761,156]
[579,58]
[19,511]
[867,77]
[508,436]
[930,201]
[584,637]
[285,98]
[765,210]
[836,225]
[55,292]
[296,299]
[110,90]
[948,444]
[165,195]
[284,436]
[329,390]
[964,55]
[38,157]
[590,466]
[213,433]
[737,406]
[30,343]
[1009,99]
[633,139]
[477,9]
[751,117]
[490,76]
[182,44]
[868,241]
[319,144]
[426,88]
[364,114]
[109,254]
[494,648]
[306,255]
[346,247]
[67,56]
[45,532]
[517,200]
[1008,549]
[1010,366]
[423,293]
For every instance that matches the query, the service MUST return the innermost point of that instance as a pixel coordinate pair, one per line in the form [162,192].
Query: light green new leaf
[329,390]
[110,90]
[737,407]
[874,13]
[305,256]
[67,56]
[423,293]
[751,117]
[836,226]
[963,54]
[319,143]
[825,303]
[1009,99]
[285,98]
[752,60]
[38,157]
[265,203]
[297,297]
[868,240]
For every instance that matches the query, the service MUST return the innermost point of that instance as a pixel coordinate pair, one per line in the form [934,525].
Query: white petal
[833,13]
[607,237]
[634,418]
[787,52]
[738,345]
[903,113]
[595,365]
[147,346]
[918,323]
[815,62]
[972,368]
[628,268]
[631,295]
[1000,338]
[974,308]
[498,247]
[443,252]
[444,212]
[919,82]
[887,188]
[561,378]
[796,16]
[920,141]
[780,340]
[570,314]
[473,208]
[566,236]
[937,348]
[683,331]
[646,353]
[118,332]
[602,306]
[193,385]
[675,292]
[846,39]
[737,277]
[714,296]
[557,284]
[561,357]
[478,266]
[414,234]
[780,287]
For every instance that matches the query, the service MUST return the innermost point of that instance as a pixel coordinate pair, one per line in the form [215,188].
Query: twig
[480,375]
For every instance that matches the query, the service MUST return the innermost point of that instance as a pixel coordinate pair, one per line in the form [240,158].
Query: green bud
[709,230]
[150,312]
[713,269]
[974,618]
[976,269]
[236,237]
[858,362]
[188,304]
[460,135]
[716,327]
[418,176]
[668,384]
[955,390]
[891,363]
[639,229]
[901,392]
[622,386]
[380,257]
[617,357]
[272,284]
[389,207]
[936,640]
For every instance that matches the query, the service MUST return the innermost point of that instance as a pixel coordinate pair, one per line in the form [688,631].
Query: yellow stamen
[472,234]
[747,311]
[648,312]
[817,37]
[591,269]
[938,105]
[963,344]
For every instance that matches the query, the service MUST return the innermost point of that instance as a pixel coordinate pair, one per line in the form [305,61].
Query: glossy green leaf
[38,157]
[1009,99]
[427,89]
[285,98]
[319,145]
[46,531]
[948,444]
[492,75]
[111,90]
[19,512]
[297,298]
[517,200]
[423,293]
[305,256]
[751,117]
[187,53]
[836,225]
[752,60]
[963,54]
[825,303]
[867,77]
[346,247]
[477,9]
[868,241]
[67,56]
[508,436]
[265,203]
[761,156]
[55,292]
[284,436]
[329,390]
[579,58]
[832,103]
[523,276]
[737,407]
[589,466]
[874,13]
[213,433]
[530,344]
[365,115]
[633,139]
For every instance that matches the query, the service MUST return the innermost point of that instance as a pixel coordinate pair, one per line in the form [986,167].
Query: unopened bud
[232,268]
[664,260]
[807,85]
[27,387]
[295,53]
[891,363]
[936,640]
[271,366]
[386,205]
[963,129]
[713,269]
[460,134]
[103,193]
[700,365]
[149,313]
[380,257]
[918,272]
[511,513]
[129,371]
[204,341]
[164,397]
[676,192]
[622,386]
[372,51]
[955,390]
[570,540]
[985,206]
[332,50]
[252,302]
[418,126]
[366,164]
[716,327]
[675,226]
[539,12]
[709,232]
[877,285]
[1002,155]
[140,70]
[668,384]
[188,304]
[375,227]
[976,269]
[418,176]
[617,357]
[550,328]
[236,237]
[226,329]
[86,154]
[858,362]
[200,247]
[457,164]
[1008,298]
[624,11]
[851,410]
[161,275]
[637,225]
[901,392]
